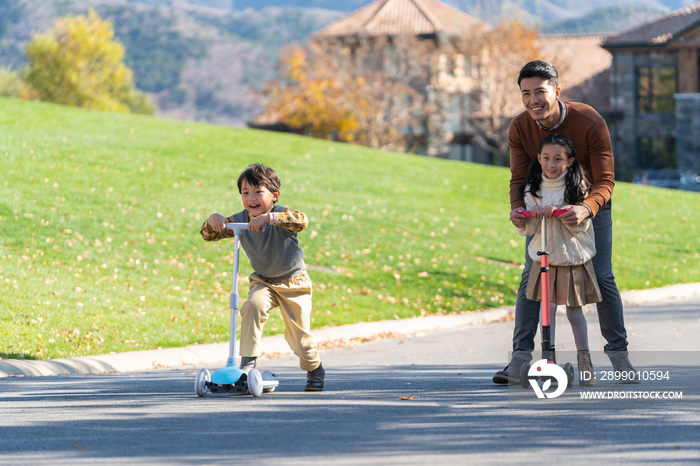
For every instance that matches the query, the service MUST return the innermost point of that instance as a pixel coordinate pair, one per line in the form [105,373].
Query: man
[545,114]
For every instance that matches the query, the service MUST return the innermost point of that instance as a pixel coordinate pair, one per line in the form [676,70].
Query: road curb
[135,361]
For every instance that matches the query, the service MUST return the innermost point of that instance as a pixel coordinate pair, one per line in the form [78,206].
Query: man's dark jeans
[612,325]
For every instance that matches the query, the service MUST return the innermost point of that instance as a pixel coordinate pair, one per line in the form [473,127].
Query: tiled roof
[577,57]
[583,66]
[660,31]
[393,17]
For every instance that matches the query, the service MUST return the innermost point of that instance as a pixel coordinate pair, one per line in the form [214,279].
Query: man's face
[540,99]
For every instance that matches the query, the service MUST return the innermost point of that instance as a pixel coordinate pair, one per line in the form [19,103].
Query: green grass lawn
[100,214]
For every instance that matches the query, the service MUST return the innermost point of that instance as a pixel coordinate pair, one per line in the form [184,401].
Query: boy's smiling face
[257,200]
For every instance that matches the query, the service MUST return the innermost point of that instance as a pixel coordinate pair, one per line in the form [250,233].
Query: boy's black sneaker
[248,363]
[314,379]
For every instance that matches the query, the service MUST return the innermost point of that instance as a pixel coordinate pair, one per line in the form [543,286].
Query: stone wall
[688,132]
[630,125]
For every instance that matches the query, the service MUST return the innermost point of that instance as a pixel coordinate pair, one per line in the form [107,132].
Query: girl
[556,180]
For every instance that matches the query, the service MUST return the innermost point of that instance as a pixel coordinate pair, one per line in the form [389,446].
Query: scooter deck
[270,383]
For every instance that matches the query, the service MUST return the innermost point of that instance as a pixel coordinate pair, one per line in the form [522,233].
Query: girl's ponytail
[532,179]
[578,184]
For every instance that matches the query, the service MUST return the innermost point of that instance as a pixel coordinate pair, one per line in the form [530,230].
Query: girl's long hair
[578,184]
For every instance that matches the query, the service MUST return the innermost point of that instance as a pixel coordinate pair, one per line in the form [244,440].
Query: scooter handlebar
[556,213]
[237,227]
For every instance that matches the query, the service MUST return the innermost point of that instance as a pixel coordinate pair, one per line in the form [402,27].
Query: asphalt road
[457,414]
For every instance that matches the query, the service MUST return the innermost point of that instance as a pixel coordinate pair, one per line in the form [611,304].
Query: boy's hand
[256,225]
[537,211]
[217,222]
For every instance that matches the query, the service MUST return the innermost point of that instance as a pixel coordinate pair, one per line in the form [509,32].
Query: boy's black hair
[577,181]
[539,69]
[257,174]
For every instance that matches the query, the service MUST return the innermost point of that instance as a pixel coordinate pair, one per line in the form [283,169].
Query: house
[655,94]
[454,125]
[447,84]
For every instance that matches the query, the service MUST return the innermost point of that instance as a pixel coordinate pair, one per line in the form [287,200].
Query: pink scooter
[544,280]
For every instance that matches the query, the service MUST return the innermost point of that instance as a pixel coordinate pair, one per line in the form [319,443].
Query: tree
[497,55]
[12,85]
[79,63]
[365,90]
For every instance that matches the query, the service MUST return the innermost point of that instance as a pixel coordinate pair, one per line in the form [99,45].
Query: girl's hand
[217,222]
[549,210]
[256,225]
[537,211]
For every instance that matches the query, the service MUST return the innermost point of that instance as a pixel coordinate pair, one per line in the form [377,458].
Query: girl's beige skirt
[574,285]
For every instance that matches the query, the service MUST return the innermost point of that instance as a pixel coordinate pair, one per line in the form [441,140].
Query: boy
[279,277]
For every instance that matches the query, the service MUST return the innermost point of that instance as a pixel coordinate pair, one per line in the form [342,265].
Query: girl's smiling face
[554,160]
[257,200]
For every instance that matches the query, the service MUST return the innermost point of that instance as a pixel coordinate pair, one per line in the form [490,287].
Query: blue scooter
[231,379]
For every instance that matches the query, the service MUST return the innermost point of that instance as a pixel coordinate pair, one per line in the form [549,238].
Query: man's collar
[562,106]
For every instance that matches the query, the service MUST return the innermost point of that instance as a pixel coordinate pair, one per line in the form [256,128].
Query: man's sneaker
[586,375]
[314,379]
[248,363]
[624,372]
[511,373]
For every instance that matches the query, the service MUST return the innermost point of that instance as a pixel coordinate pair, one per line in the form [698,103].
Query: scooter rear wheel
[268,376]
[569,369]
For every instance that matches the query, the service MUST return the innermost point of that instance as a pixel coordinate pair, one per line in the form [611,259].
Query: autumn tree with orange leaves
[369,91]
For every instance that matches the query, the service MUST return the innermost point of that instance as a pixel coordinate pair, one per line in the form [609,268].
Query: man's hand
[517,218]
[256,225]
[217,222]
[575,215]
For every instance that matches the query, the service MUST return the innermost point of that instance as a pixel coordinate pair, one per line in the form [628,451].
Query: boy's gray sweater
[274,253]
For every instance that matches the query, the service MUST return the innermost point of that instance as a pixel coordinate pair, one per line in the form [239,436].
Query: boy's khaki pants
[293,296]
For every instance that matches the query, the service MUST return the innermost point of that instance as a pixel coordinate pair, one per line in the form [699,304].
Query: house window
[656,88]
[657,153]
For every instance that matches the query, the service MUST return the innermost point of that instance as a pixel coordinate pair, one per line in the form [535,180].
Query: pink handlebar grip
[556,213]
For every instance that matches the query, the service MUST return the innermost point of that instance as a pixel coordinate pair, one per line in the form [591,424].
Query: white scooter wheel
[255,383]
[200,383]
[269,376]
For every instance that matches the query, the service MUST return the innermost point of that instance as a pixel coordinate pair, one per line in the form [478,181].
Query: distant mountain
[532,11]
[603,20]
[207,59]
[197,62]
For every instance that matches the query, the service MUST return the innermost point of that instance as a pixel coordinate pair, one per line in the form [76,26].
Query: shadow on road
[455,411]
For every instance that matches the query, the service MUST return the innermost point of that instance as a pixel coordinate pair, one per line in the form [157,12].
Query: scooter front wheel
[255,383]
[200,383]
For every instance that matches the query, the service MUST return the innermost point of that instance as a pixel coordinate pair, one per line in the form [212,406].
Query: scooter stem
[237,228]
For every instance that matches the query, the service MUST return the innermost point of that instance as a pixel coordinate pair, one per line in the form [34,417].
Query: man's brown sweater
[587,131]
